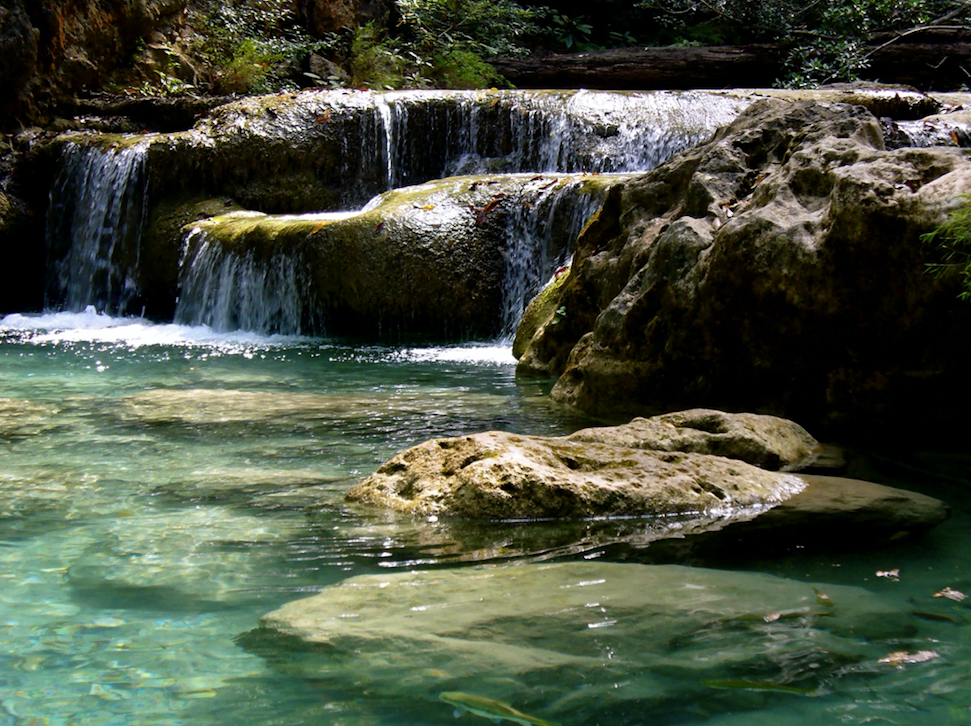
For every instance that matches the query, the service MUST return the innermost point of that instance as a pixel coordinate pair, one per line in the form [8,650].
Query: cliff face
[53,49]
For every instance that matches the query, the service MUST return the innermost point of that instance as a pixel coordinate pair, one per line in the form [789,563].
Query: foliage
[166,86]
[464,69]
[488,28]
[375,61]
[252,46]
[248,69]
[573,32]
[953,242]
[828,40]
[442,43]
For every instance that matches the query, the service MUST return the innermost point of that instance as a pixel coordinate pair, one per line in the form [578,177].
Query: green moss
[541,310]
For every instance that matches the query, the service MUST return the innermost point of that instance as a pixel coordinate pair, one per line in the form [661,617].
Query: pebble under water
[164,486]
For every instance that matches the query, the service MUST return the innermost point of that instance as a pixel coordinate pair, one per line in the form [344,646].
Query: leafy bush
[953,243]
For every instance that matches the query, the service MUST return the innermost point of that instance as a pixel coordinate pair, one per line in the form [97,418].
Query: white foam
[94,327]
[485,354]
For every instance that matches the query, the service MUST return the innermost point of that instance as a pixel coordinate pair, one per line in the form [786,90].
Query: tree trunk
[933,59]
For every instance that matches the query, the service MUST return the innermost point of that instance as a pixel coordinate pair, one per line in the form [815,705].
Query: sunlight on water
[164,487]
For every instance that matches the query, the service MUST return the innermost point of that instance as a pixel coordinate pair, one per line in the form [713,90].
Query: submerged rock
[575,627]
[779,267]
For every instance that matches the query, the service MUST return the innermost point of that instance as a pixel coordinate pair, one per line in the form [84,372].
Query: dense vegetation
[259,45]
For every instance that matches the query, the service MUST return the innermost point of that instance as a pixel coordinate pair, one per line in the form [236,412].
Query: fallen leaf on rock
[889,574]
[823,599]
[950,594]
[772,617]
[903,657]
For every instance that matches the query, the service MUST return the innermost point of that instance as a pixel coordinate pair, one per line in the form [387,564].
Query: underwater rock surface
[495,632]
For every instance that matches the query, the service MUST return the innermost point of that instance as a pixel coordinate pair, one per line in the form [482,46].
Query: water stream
[165,485]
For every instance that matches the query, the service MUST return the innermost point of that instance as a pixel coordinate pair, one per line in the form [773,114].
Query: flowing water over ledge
[155,503]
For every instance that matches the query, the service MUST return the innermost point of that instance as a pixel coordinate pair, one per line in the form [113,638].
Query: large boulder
[688,462]
[497,475]
[778,268]
[696,483]
[454,257]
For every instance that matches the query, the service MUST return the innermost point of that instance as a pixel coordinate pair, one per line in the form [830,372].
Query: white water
[94,227]
[226,291]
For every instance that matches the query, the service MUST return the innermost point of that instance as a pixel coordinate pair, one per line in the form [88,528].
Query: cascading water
[227,291]
[94,227]
[384,140]
[539,237]
[519,131]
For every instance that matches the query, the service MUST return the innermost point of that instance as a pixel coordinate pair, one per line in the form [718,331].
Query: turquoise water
[163,487]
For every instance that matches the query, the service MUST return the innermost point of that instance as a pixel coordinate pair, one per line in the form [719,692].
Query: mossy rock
[541,311]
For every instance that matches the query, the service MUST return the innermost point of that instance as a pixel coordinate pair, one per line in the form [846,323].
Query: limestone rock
[497,631]
[778,268]
[765,441]
[497,475]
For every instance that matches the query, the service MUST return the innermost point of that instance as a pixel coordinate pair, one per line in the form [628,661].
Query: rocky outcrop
[574,626]
[778,268]
[453,257]
[764,441]
[695,483]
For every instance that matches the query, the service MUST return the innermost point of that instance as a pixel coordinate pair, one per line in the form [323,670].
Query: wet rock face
[778,267]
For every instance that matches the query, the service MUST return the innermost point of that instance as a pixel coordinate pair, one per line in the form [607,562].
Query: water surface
[164,486]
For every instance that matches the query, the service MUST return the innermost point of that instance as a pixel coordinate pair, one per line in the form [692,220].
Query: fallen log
[937,59]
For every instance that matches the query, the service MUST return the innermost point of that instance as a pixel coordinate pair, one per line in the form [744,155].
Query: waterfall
[433,134]
[373,142]
[540,236]
[229,291]
[97,211]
